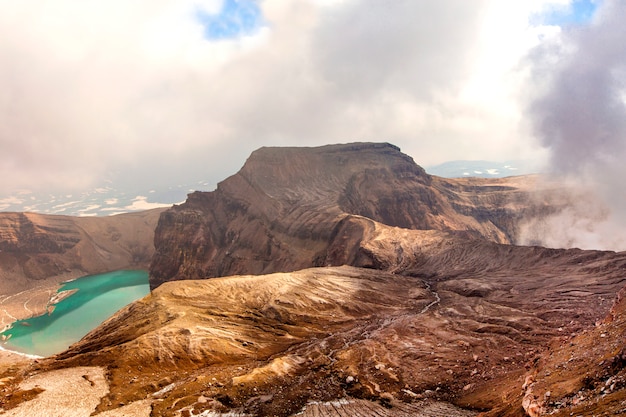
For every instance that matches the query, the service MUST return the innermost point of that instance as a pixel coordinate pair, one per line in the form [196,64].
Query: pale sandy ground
[8,358]
[72,392]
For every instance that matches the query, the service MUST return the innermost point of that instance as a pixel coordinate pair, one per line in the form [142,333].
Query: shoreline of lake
[74,310]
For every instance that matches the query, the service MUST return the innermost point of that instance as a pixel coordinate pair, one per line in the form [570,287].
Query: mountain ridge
[286,206]
[345,280]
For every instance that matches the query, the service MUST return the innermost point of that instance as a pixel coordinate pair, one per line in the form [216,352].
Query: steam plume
[580,115]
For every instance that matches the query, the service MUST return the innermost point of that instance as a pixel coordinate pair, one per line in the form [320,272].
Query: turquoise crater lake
[95,298]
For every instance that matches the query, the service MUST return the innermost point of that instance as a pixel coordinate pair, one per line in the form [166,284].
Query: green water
[97,298]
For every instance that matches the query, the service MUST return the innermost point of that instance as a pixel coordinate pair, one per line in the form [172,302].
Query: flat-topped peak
[291,208]
[337,147]
[324,166]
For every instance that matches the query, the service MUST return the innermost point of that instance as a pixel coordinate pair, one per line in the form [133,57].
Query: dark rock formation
[292,208]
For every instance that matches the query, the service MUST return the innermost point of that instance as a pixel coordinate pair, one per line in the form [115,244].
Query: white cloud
[97,91]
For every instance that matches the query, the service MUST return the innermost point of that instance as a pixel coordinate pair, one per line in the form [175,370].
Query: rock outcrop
[293,208]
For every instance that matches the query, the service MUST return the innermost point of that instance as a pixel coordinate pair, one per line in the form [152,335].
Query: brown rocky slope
[288,207]
[463,323]
[446,321]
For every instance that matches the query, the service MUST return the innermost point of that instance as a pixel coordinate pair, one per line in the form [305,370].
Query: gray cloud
[132,92]
[414,47]
[580,115]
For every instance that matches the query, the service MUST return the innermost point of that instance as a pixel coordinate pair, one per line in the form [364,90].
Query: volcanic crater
[345,280]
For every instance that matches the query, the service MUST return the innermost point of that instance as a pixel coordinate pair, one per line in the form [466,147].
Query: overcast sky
[148,93]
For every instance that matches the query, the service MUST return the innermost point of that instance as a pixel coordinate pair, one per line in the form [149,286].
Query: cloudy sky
[143,96]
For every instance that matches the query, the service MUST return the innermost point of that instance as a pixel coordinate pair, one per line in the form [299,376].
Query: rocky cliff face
[39,246]
[292,208]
